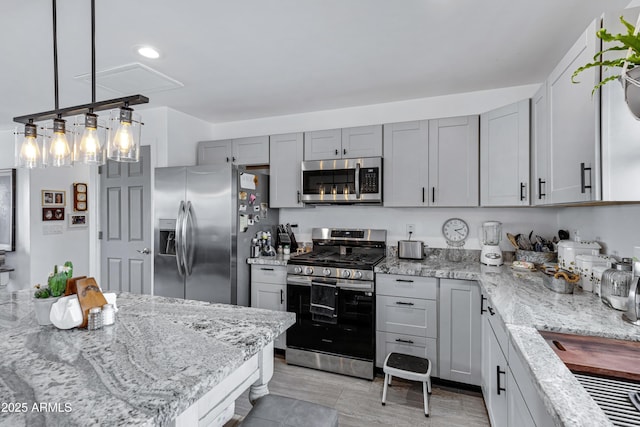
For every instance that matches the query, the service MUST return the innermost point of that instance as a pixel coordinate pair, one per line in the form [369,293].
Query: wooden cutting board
[89,296]
[596,355]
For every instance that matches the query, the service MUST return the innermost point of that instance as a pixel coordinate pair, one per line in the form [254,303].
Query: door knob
[145,251]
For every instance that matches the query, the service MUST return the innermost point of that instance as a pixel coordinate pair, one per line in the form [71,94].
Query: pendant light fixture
[124,131]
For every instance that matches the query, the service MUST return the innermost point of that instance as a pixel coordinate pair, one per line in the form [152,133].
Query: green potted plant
[45,297]
[629,64]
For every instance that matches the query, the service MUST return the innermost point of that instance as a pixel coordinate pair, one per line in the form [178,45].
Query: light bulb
[124,141]
[90,151]
[124,137]
[59,150]
[29,151]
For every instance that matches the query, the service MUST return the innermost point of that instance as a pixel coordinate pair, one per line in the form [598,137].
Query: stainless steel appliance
[490,236]
[342,181]
[332,292]
[410,249]
[204,219]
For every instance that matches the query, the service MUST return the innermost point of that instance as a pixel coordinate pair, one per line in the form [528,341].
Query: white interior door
[125,224]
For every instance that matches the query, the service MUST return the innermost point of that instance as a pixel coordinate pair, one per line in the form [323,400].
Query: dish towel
[323,303]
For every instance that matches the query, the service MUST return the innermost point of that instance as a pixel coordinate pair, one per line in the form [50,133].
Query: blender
[490,235]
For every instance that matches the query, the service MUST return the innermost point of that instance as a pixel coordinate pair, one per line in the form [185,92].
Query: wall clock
[79,197]
[455,231]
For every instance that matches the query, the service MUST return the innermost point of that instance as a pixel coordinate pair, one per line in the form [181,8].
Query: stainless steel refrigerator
[204,220]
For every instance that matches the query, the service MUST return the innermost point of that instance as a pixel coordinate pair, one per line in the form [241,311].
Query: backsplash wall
[617,228]
[428,221]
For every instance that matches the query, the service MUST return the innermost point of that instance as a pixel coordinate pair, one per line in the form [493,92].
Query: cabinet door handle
[298,196]
[404,303]
[404,280]
[422,194]
[522,195]
[482,300]
[281,296]
[227,160]
[498,373]
[266,269]
[540,193]
[337,152]
[491,311]
[233,159]
[433,194]
[404,341]
[583,186]
[344,151]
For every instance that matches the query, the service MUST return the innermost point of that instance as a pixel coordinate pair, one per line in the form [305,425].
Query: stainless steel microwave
[342,181]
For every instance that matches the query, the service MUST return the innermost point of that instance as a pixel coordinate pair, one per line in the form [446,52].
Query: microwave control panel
[369,178]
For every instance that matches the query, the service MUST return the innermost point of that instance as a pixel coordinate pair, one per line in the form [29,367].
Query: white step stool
[410,368]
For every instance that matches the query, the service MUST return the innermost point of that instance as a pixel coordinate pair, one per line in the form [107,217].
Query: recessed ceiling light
[148,52]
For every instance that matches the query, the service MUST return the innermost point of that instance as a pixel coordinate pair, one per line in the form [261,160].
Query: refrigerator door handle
[188,244]
[183,240]
[179,239]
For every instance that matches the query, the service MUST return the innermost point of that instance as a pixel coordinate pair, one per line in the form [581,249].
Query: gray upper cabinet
[540,148]
[252,150]
[453,161]
[504,156]
[574,162]
[431,163]
[285,180]
[214,152]
[405,163]
[347,143]
[362,141]
[323,144]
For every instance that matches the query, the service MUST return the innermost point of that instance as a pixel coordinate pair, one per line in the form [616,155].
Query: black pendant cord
[93,51]
[55,55]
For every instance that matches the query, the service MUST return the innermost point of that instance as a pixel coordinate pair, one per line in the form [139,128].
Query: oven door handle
[298,281]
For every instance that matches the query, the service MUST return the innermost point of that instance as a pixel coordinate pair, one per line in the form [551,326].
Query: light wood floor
[358,401]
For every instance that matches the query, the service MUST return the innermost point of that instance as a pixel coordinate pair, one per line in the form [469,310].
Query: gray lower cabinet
[509,393]
[460,331]
[269,290]
[406,317]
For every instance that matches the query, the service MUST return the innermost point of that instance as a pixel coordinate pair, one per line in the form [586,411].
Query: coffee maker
[490,235]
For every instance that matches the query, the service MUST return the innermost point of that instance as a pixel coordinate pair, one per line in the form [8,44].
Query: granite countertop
[161,356]
[525,305]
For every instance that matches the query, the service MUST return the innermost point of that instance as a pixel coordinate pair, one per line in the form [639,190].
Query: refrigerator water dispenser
[167,236]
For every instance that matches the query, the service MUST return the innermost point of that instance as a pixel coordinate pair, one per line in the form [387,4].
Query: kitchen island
[525,306]
[164,362]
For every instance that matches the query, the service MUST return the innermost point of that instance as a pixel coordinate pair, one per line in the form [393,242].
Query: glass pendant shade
[29,155]
[88,149]
[59,150]
[124,136]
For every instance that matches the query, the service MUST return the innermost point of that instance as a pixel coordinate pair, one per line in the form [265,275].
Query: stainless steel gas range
[332,292]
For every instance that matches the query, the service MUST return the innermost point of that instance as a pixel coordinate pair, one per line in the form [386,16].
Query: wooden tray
[595,355]
[89,296]
[72,287]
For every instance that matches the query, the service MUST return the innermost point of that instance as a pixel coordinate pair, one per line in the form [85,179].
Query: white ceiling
[245,59]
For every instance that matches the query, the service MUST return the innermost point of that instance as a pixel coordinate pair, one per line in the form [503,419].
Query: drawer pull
[281,296]
[498,373]
[266,269]
[404,341]
[404,303]
[482,300]
[404,280]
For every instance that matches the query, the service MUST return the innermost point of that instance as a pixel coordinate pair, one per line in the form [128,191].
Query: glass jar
[108,315]
[94,320]
[616,283]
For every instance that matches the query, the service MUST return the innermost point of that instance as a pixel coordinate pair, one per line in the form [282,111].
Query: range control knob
[297,270]
[346,273]
[326,272]
[308,270]
[357,275]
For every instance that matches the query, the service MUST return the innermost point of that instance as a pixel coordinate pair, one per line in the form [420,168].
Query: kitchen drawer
[387,342]
[411,316]
[276,274]
[530,395]
[407,286]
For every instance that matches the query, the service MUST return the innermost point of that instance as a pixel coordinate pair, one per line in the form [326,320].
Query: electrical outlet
[411,228]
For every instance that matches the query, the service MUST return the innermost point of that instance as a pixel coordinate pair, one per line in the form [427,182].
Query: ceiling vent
[132,78]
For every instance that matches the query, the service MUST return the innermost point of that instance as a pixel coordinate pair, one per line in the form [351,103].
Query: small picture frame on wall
[78,220]
[53,198]
[53,214]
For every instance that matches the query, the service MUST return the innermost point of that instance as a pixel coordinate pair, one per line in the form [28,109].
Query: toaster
[410,249]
